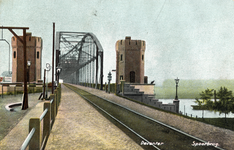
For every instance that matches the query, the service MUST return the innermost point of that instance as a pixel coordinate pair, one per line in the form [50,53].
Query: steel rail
[144,116]
[120,122]
[159,122]
[116,119]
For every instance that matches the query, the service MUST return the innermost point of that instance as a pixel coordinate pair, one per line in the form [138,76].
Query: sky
[184,39]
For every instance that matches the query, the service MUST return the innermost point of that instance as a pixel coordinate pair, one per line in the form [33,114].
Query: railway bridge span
[80,55]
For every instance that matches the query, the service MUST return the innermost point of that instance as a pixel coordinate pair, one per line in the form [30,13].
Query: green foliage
[227,123]
[198,102]
[10,93]
[205,97]
[20,92]
[189,89]
[226,101]
[224,104]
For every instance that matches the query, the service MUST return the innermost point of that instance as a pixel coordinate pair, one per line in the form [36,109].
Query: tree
[232,105]
[225,102]
[205,101]
[7,74]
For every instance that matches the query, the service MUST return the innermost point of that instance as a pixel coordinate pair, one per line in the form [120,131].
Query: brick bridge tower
[130,61]
[34,50]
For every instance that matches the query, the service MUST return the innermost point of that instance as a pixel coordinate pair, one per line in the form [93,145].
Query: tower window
[14,54]
[142,57]
[121,77]
[121,57]
[37,55]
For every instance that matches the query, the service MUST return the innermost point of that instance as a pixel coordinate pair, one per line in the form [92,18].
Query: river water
[185,107]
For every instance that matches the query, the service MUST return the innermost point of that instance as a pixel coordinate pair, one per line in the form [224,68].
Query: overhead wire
[160,10]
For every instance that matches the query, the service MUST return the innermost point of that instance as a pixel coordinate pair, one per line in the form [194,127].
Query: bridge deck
[79,126]
[201,130]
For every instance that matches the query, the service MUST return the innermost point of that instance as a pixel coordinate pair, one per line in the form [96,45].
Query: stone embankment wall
[201,130]
[142,94]
[146,88]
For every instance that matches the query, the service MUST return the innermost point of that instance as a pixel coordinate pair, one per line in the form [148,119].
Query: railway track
[147,132]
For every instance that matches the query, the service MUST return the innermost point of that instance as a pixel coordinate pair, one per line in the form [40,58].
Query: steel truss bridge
[80,57]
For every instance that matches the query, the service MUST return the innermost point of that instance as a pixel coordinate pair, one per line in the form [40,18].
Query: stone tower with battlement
[130,61]
[34,50]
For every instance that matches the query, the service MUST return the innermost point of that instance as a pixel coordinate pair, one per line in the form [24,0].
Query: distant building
[34,50]
[130,61]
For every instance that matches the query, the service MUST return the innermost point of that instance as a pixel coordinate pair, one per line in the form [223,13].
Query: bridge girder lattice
[81,58]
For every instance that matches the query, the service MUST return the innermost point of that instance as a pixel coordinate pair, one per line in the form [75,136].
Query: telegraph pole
[53,59]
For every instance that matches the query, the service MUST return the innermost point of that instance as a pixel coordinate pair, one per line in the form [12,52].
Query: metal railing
[38,133]
[28,139]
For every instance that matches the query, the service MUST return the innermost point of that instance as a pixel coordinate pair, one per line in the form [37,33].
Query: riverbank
[196,107]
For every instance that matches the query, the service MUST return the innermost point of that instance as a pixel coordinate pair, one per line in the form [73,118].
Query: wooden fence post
[46,121]
[56,100]
[35,143]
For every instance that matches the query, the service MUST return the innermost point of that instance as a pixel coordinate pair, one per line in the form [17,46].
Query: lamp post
[177,82]
[58,71]
[109,79]
[48,67]
[44,84]
[28,65]
[53,58]
[176,101]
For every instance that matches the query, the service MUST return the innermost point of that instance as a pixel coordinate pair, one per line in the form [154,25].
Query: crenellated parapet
[34,53]
[130,58]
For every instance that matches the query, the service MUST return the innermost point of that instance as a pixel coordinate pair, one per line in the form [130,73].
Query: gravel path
[201,130]
[79,126]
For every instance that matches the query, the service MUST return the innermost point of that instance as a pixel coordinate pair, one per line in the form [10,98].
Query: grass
[190,89]
[219,122]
